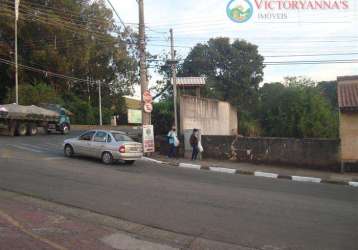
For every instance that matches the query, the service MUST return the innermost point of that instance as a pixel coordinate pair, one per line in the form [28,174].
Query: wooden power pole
[173,63]
[143,66]
[17,3]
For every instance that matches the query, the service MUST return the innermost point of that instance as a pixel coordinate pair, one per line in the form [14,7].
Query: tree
[76,38]
[36,94]
[233,71]
[329,90]
[296,109]
[163,116]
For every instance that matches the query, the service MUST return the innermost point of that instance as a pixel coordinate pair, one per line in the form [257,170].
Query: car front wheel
[107,158]
[68,151]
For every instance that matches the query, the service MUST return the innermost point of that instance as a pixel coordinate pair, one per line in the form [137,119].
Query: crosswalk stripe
[27,149]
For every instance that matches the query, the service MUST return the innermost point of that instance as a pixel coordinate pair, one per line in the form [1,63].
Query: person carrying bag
[194,142]
[173,142]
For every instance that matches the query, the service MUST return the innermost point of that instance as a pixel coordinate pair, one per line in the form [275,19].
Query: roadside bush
[34,94]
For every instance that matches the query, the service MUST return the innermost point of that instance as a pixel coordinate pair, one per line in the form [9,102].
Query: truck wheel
[12,129]
[65,129]
[32,129]
[21,129]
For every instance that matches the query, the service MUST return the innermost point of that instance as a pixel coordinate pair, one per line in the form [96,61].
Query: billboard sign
[134,116]
[148,139]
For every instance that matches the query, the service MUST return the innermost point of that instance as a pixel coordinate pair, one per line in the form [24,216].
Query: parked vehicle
[25,120]
[109,146]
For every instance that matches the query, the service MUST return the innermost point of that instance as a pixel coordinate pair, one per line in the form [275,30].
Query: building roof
[348,92]
[132,102]
[190,81]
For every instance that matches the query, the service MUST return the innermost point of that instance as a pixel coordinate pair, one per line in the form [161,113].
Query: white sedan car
[109,146]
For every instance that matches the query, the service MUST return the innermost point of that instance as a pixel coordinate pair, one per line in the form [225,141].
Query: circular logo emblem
[240,10]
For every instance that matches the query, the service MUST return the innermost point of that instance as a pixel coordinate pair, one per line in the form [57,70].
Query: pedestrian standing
[194,142]
[173,142]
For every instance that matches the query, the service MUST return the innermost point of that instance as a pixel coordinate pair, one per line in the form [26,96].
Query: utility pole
[17,3]
[143,67]
[100,103]
[173,62]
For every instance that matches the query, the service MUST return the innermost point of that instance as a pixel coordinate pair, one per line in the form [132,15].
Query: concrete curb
[255,173]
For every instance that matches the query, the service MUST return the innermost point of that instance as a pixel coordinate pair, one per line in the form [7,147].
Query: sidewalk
[284,172]
[30,223]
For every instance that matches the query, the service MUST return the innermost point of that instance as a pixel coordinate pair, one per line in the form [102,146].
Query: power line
[306,55]
[121,20]
[64,13]
[45,72]
[64,25]
[115,12]
[311,62]
[50,19]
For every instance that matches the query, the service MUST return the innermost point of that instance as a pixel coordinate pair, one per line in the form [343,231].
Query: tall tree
[233,70]
[296,108]
[77,38]
[329,90]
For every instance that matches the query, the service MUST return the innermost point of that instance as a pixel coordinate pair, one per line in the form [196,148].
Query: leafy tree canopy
[298,109]
[233,70]
[76,38]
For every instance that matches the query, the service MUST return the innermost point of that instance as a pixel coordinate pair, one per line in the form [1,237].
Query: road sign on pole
[148,107]
[147,97]
[148,139]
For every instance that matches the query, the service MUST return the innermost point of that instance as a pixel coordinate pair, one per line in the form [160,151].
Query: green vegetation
[80,39]
[297,107]
[35,94]
[76,38]
[233,70]
[162,116]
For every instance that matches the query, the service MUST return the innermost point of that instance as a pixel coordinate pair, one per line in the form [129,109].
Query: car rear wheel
[68,151]
[129,162]
[107,158]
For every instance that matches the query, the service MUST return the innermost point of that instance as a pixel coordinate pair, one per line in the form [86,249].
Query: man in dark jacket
[194,142]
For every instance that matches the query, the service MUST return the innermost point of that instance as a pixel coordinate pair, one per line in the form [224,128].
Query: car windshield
[121,137]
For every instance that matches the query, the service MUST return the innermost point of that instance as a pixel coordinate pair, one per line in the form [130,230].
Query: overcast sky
[304,32]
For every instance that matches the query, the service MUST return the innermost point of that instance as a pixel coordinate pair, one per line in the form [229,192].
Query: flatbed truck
[25,120]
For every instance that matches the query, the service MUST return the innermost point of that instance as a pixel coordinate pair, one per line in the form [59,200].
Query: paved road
[244,210]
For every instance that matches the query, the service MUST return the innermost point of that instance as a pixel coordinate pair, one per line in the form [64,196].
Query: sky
[303,35]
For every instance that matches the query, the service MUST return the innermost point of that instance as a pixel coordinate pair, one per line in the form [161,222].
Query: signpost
[147,97]
[148,130]
[148,108]
[148,139]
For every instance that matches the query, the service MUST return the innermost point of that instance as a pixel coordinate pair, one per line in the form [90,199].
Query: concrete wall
[308,153]
[349,136]
[162,146]
[211,116]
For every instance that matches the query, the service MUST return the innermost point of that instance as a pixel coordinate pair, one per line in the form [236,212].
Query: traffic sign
[148,139]
[148,107]
[147,97]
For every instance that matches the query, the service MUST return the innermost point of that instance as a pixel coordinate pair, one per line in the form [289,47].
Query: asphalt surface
[247,211]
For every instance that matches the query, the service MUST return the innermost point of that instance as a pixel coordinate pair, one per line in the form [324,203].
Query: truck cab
[63,124]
